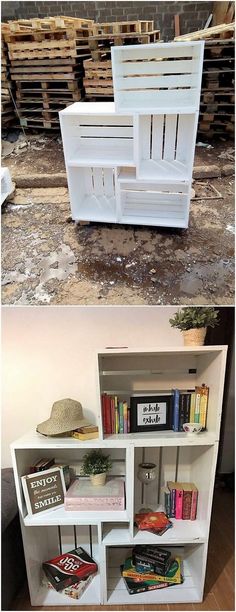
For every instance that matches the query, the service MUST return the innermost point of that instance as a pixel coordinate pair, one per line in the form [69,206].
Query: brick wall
[193,15]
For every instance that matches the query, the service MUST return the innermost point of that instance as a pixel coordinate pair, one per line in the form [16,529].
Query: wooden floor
[219,587]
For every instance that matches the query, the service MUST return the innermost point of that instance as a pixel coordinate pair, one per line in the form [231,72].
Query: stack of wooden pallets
[46,64]
[217,96]
[102,36]
[7,107]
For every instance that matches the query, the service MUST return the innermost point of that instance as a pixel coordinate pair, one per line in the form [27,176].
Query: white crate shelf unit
[110,535]
[131,161]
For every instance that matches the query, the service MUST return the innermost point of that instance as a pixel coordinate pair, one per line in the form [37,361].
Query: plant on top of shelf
[96,465]
[193,322]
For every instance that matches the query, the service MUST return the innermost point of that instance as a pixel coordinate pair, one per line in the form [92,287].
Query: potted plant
[193,322]
[96,465]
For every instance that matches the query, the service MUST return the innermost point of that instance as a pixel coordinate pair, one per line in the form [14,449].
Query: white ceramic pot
[98,480]
[194,337]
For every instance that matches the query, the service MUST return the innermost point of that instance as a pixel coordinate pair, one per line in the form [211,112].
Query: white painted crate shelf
[163,77]
[189,458]
[131,161]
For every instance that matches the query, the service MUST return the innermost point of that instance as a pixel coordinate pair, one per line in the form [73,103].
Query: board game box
[69,568]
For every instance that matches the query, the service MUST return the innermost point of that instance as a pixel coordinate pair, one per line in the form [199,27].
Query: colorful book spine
[181,411]
[193,511]
[116,415]
[121,418]
[125,416]
[167,503]
[128,420]
[172,503]
[178,503]
[108,414]
[104,420]
[197,404]
[187,400]
[187,502]
[192,408]
[175,413]
[203,405]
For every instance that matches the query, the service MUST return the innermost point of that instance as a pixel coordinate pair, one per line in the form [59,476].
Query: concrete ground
[47,259]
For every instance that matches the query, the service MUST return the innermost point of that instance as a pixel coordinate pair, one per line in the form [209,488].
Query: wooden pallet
[217,107]
[207,32]
[41,104]
[121,27]
[37,123]
[47,85]
[48,96]
[218,96]
[37,50]
[100,89]
[47,23]
[122,39]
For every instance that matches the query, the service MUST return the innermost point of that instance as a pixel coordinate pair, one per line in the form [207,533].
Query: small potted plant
[96,465]
[193,322]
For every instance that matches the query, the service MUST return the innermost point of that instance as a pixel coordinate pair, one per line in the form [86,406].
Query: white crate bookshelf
[131,161]
[185,457]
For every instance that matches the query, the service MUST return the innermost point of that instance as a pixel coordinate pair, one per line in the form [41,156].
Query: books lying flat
[173,575]
[156,522]
[88,432]
[82,495]
[75,591]
[134,587]
[70,568]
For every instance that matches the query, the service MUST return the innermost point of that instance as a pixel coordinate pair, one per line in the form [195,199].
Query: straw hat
[66,415]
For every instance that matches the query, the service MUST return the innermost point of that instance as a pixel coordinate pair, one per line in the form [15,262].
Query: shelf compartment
[92,194]
[157,77]
[120,458]
[98,139]
[44,543]
[189,591]
[165,143]
[162,371]
[153,204]
[182,464]
[182,532]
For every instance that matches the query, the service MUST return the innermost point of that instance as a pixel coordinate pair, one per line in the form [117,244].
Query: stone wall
[193,15]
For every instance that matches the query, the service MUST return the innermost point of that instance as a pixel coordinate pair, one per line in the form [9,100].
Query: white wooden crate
[97,137]
[165,146]
[159,77]
[154,204]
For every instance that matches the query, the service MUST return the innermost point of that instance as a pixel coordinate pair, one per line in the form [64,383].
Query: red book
[178,501]
[104,423]
[187,500]
[193,512]
[108,414]
[69,568]
[113,427]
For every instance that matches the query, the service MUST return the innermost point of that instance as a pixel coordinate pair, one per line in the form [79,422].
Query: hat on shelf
[66,415]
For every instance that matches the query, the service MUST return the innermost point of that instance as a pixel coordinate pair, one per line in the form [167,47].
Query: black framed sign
[150,413]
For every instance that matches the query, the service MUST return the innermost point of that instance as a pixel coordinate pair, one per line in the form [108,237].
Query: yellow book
[203,405]
[85,436]
[192,408]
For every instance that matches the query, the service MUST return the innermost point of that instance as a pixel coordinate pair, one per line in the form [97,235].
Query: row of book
[150,568]
[70,573]
[180,500]
[189,407]
[115,415]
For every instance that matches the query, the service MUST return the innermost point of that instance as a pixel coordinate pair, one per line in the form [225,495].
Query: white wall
[49,353]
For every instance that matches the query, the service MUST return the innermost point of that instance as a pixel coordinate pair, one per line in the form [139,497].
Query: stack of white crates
[131,161]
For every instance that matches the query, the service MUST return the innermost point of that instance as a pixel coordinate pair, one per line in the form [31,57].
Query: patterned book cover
[187,499]
[171,487]
[181,411]
[82,495]
[69,568]
[193,512]
[121,418]
[192,408]
[197,404]
[173,574]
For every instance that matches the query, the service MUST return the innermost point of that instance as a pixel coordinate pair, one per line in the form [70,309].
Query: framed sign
[150,413]
[44,490]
